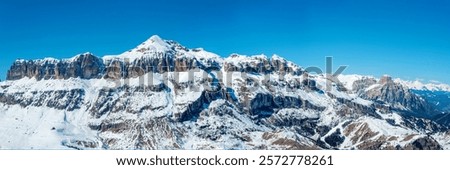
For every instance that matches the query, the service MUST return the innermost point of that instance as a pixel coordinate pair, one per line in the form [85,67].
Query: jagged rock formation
[161,95]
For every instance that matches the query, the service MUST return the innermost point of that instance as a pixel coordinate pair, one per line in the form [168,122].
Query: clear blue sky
[406,39]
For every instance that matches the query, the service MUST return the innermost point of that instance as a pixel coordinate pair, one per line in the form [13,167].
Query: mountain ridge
[172,97]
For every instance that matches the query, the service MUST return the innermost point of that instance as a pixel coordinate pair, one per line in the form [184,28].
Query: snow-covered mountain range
[162,95]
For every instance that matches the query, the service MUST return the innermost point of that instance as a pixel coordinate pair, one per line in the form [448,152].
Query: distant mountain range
[162,95]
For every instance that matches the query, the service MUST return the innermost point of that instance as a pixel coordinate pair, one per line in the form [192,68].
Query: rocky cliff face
[85,66]
[161,95]
[399,97]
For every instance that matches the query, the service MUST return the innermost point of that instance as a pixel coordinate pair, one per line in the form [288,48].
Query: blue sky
[405,39]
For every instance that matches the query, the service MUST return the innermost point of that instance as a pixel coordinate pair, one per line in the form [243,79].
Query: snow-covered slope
[161,95]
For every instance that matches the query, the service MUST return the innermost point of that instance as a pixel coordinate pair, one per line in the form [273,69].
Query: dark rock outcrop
[262,65]
[60,99]
[335,139]
[426,143]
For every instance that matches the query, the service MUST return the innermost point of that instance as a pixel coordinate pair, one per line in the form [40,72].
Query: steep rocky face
[159,63]
[85,66]
[161,95]
[260,64]
[399,97]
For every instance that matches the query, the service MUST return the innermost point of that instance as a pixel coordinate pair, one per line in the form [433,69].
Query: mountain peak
[156,38]
[154,44]
[277,57]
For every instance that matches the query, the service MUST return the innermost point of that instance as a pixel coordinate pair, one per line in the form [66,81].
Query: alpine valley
[162,95]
